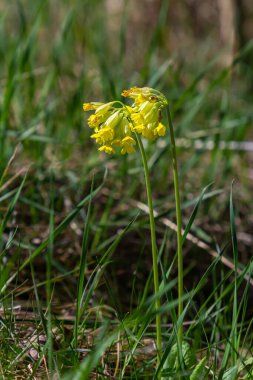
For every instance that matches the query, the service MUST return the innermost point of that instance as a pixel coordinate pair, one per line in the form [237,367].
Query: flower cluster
[115,124]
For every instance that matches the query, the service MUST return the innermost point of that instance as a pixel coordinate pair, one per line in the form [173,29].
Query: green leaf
[199,371]
[230,374]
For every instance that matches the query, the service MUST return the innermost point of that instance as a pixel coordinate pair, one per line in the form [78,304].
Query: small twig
[118,357]
[12,179]
[9,164]
[198,144]
[46,369]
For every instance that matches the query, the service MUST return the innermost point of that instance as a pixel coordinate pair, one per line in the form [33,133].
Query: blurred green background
[55,55]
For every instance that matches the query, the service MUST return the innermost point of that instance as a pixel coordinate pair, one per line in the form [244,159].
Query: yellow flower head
[147,107]
[115,124]
[112,126]
[142,94]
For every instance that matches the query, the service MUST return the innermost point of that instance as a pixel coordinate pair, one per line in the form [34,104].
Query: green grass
[76,294]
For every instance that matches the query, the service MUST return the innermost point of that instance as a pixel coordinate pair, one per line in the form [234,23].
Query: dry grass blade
[7,168]
[12,179]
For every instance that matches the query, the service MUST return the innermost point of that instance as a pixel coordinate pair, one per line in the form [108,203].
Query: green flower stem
[154,249]
[179,227]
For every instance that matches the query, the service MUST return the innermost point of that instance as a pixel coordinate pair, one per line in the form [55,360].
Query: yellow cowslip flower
[102,112]
[91,106]
[112,126]
[160,130]
[137,118]
[141,94]
[115,124]
[147,107]
[127,145]
[93,121]
[131,92]
[103,135]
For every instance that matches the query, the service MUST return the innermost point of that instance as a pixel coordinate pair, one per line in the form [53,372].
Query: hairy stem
[154,249]
[179,227]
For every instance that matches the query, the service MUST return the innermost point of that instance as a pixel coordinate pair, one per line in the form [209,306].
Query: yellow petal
[127,149]
[88,107]
[107,149]
[128,140]
[93,120]
[160,130]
